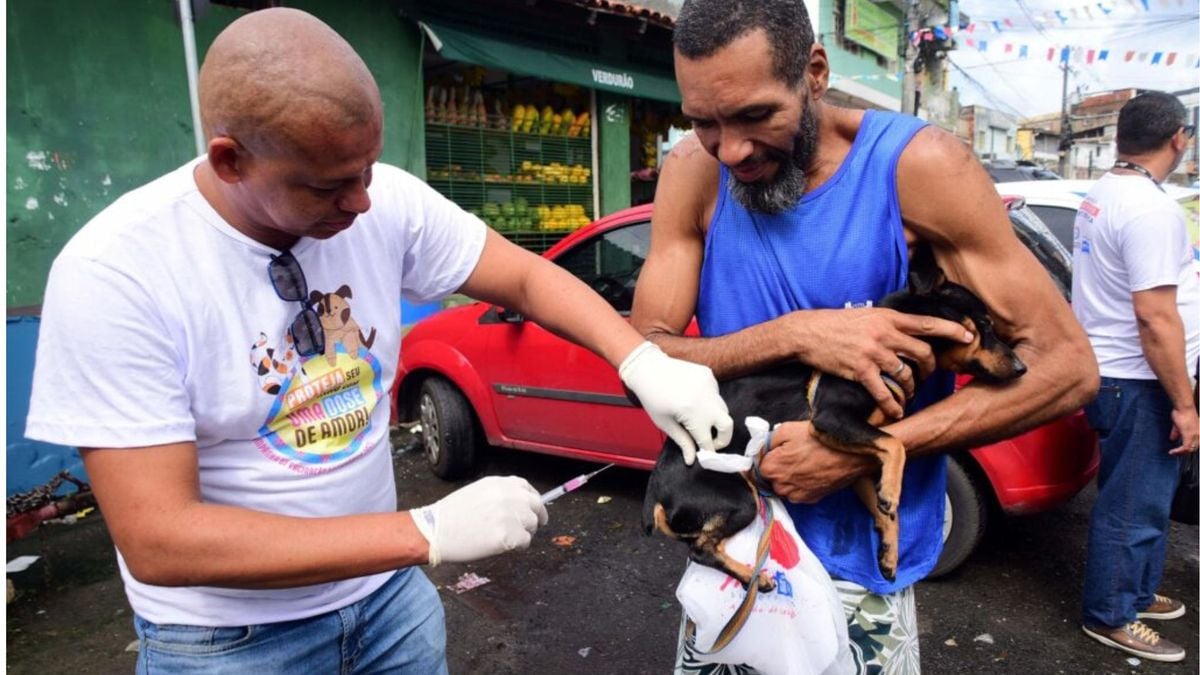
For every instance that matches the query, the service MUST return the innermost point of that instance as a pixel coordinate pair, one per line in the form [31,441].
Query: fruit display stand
[533,188]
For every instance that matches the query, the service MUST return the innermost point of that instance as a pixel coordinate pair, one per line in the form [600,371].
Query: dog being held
[705,508]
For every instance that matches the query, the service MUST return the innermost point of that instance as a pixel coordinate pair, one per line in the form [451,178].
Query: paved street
[604,602]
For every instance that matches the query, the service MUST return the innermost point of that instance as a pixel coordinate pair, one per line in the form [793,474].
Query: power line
[1093,77]
[1039,27]
[1164,30]
[997,103]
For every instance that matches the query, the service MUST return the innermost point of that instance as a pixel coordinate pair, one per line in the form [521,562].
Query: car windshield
[1044,245]
[610,263]
[1007,173]
[1060,220]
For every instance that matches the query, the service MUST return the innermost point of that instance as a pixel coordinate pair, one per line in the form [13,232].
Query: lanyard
[1122,164]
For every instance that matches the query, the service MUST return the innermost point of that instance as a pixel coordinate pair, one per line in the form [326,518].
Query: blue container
[411,313]
[30,463]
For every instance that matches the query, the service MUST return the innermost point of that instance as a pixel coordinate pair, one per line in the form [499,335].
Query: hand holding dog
[680,397]
[864,344]
[493,515]
[802,470]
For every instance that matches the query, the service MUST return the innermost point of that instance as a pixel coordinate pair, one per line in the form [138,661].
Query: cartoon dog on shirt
[272,364]
[334,313]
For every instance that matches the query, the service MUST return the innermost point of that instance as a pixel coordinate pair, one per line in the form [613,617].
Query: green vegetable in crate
[507,210]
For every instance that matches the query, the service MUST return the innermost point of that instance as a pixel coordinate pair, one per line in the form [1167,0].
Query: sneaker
[1138,639]
[1163,608]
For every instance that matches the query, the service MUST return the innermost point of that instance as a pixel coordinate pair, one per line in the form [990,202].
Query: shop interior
[518,152]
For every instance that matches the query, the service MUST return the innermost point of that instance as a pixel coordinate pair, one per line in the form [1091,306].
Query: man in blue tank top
[778,224]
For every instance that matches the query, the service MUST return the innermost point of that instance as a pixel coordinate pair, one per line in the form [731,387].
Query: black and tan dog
[704,508]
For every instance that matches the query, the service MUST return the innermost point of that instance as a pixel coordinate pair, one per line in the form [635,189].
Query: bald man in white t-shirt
[220,344]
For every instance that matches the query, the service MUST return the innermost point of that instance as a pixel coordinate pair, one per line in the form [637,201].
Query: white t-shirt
[160,325]
[1130,237]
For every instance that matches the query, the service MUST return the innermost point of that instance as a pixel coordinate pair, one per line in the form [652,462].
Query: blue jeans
[1127,542]
[400,628]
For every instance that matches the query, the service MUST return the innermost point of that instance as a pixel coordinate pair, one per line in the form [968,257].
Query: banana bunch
[525,118]
[528,119]
[555,173]
[562,217]
[650,150]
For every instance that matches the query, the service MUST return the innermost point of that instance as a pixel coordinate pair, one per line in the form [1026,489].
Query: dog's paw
[887,562]
[766,583]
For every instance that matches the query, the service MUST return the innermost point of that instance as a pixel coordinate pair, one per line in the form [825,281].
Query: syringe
[570,485]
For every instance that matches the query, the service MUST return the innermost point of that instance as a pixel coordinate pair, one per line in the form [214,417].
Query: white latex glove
[493,515]
[681,398]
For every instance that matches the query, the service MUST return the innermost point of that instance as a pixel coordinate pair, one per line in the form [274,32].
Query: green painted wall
[612,116]
[98,105]
[849,65]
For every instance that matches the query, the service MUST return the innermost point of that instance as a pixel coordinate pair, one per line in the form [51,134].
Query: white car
[1056,201]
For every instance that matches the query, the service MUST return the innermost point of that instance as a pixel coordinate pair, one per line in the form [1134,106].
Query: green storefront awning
[458,44]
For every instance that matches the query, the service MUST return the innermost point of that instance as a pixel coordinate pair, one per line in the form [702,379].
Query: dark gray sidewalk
[604,601]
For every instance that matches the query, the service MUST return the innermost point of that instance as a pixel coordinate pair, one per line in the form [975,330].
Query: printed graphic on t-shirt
[339,327]
[323,403]
[1088,211]
[272,364]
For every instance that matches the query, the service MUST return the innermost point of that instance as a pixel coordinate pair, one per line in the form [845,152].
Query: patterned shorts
[883,636]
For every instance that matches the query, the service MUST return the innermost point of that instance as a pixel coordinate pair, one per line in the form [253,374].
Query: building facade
[990,133]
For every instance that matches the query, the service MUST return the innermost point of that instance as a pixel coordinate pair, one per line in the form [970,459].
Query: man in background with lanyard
[1137,295]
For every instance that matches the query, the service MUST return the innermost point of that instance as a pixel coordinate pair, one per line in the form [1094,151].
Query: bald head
[279,80]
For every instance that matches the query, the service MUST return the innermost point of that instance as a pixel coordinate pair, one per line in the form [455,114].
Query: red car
[479,375]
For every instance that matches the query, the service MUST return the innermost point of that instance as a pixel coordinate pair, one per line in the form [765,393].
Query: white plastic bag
[797,629]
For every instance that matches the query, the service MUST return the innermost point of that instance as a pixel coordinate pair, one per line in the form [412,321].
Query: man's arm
[856,344]
[1160,329]
[947,199]
[680,397]
[150,498]
[513,277]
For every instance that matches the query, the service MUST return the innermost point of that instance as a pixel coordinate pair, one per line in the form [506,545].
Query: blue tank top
[842,245]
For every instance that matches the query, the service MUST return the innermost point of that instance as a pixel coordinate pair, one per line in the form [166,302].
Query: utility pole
[1195,145]
[908,95]
[1064,138]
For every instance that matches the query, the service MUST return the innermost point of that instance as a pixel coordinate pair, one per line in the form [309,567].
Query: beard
[778,194]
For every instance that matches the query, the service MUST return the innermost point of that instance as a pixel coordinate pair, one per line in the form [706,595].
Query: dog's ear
[315,297]
[344,292]
[924,275]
